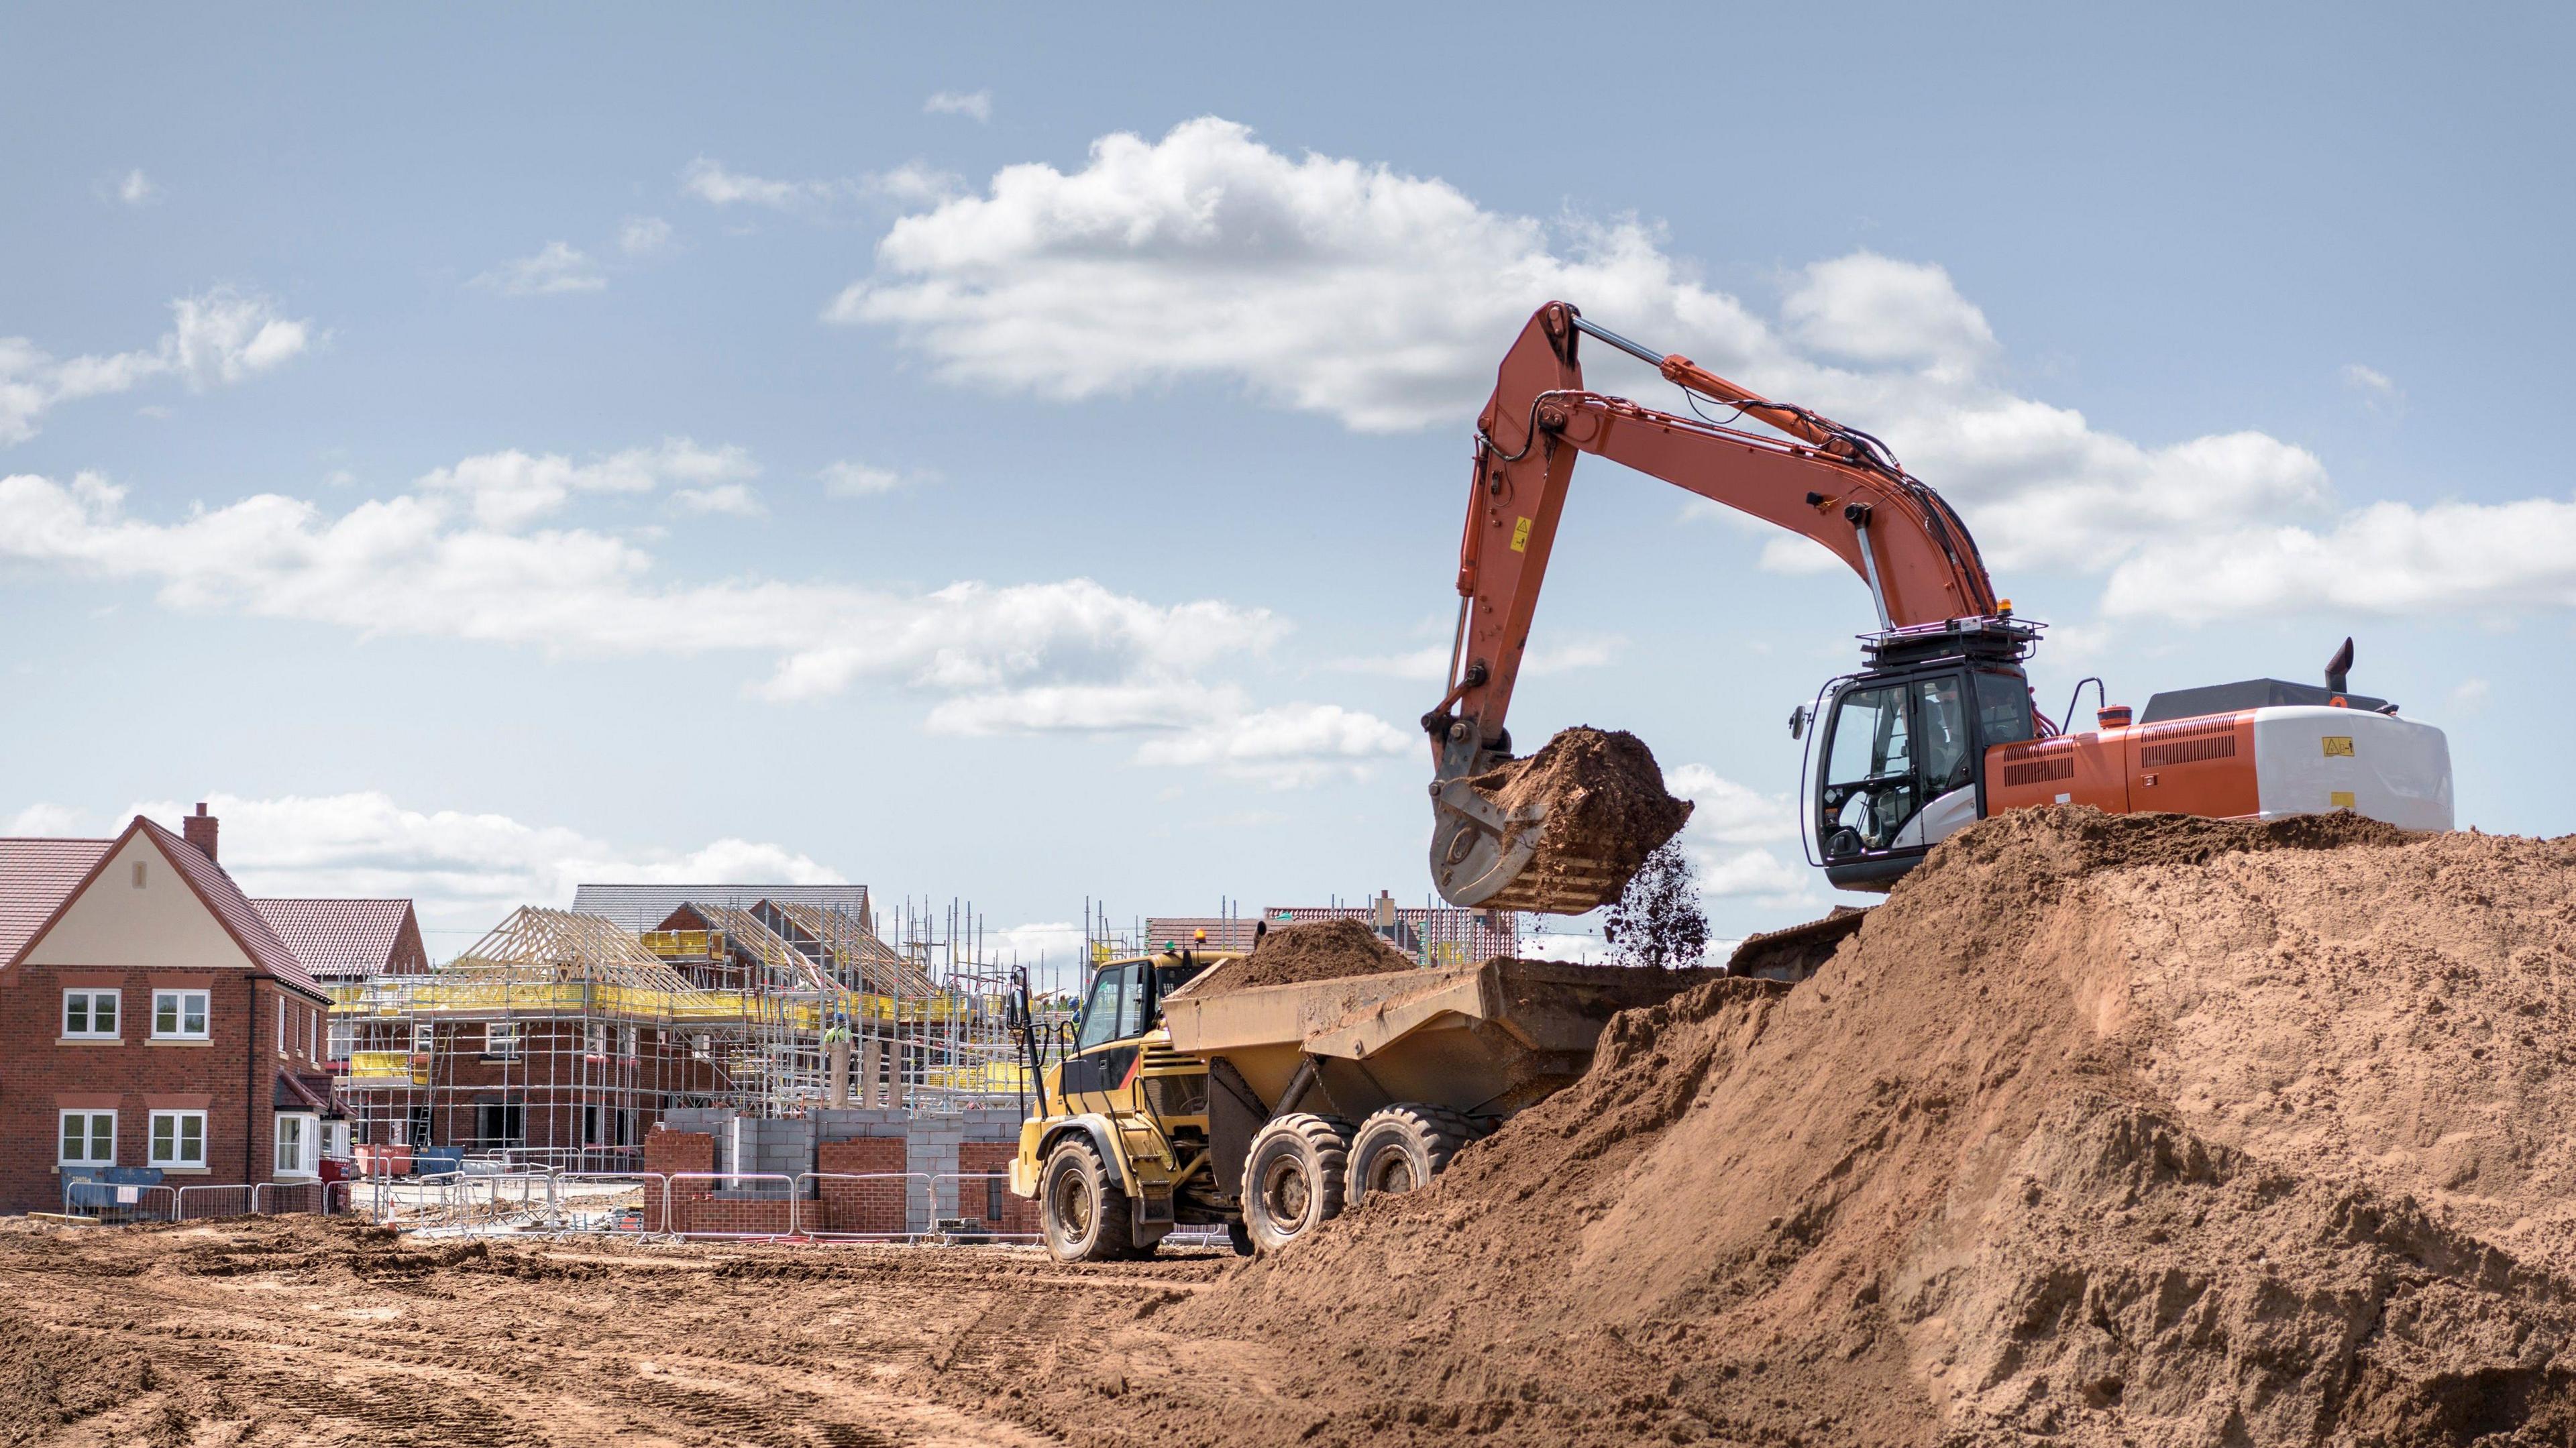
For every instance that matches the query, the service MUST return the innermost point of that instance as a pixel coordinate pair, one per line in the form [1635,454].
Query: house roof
[216,888]
[643,907]
[40,878]
[36,877]
[342,938]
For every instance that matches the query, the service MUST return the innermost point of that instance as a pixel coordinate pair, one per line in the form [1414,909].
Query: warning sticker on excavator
[2341,799]
[1520,536]
[2339,744]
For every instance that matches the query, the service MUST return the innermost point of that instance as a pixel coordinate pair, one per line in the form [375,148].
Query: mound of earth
[2100,1131]
[1604,799]
[1315,950]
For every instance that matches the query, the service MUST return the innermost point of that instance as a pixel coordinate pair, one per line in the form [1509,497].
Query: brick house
[149,1017]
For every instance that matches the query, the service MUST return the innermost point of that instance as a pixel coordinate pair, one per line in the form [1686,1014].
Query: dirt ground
[293,1330]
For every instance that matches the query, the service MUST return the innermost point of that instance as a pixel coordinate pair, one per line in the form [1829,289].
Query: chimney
[199,829]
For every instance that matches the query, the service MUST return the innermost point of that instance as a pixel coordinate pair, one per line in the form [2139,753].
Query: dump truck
[1272,1109]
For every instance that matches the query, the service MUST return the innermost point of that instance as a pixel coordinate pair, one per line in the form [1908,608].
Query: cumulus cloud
[2389,559]
[1731,839]
[1291,746]
[1383,300]
[1430,663]
[459,557]
[216,338]
[974,105]
[559,268]
[134,188]
[733,499]
[464,870]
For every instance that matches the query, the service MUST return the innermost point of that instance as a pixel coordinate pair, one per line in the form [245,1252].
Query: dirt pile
[1315,950]
[1604,799]
[2100,1131]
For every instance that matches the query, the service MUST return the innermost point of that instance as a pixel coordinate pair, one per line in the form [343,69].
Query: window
[501,1038]
[313,1035]
[297,1144]
[1943,720]
[2003,708]
[1116,1009]
[179,1138]
[703,1046]
[89,1138]
[281,1025]
[344,1039]
[89,1015]
[1868,786]
[179,1014]
[595,1039]
[424,1038]
[630,1041]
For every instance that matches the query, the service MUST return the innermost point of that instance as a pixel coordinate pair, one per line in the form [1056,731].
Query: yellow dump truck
[1274,1108]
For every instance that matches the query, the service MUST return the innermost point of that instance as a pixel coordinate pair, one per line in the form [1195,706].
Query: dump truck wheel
[1403,1147]
[1085,1216]
[1292,1178]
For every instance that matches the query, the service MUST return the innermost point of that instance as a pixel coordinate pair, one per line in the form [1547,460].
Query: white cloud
[216,337]
[2388,559]
[451,560]
[644,236]
[976,105]
[507,490]
[1869,308]
[709,181]
[1731,826]
[1384,300]
[2471,695]
[851,479]
[558,268]
[2377,390]
[1430,663]
[136,189]
[734,499]
[1756,875]
[1291,746]
[46,821]
[464,870]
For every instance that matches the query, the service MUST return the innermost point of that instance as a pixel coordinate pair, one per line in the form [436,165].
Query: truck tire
[1402,1147]
[1292,1178]
[1080,1208]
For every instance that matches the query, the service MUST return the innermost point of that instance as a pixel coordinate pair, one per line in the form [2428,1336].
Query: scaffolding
[562,1038]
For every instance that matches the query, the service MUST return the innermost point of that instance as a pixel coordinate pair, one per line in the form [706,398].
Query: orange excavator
[1937,729]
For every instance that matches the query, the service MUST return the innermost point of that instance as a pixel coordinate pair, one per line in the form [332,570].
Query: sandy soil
[1316,950]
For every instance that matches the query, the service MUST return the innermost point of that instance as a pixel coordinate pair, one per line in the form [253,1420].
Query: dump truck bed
[1485,1039]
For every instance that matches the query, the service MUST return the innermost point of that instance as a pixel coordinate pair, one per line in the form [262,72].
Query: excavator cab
[1897,756]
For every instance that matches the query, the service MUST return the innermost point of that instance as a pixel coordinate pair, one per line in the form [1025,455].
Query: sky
[1018,456]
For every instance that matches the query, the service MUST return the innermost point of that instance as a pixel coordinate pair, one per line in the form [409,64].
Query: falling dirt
[2098,1132]
[1604,797]
[1315,950]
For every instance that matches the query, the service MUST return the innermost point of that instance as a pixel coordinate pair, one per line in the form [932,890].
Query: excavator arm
[1821,480]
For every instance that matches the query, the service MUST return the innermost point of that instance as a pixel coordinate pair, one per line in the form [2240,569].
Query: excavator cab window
[2003,707]
[1869,788]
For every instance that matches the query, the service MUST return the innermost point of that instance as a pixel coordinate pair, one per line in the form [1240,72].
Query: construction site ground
[299,1330]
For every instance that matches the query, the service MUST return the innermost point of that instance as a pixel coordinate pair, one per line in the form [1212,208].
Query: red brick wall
[974,1198]
[234,1072]
[666,1152]
[870,1206]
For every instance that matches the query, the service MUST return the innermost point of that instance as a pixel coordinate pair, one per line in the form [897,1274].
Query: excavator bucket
[1485,857]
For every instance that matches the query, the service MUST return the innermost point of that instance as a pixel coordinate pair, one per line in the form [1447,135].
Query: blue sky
[1018,456]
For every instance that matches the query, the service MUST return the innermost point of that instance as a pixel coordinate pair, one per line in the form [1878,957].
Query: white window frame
[342,1041]
[281,1025]
[308,1144]
[90,997]
[205,1014]
[505,1045]
[178,1139]
[630,1041]
[89,1131]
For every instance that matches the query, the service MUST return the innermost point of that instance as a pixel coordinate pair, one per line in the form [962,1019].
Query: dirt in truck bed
[1315,950]
[1604,794]
[2100,1131]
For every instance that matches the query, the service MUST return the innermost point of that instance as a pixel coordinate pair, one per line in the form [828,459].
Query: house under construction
[564,1037]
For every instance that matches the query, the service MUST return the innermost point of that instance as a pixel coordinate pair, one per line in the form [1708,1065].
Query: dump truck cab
[1118,1156]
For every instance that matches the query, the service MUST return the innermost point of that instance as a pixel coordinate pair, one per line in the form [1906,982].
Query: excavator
[1938,728]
